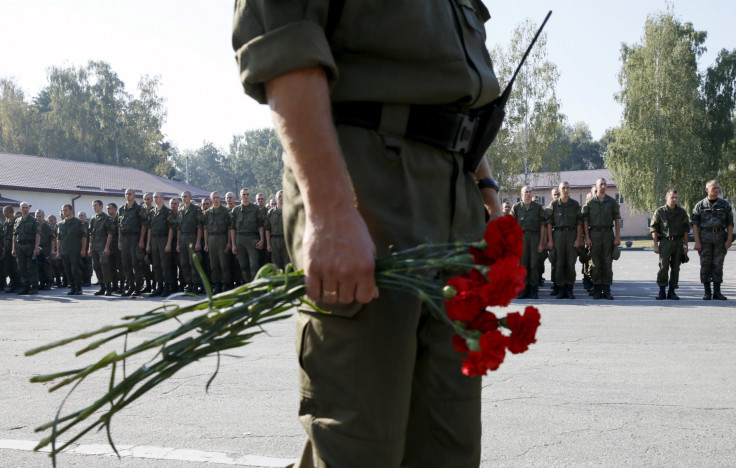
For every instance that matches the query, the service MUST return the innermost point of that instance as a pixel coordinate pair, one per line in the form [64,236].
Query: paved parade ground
[629,382]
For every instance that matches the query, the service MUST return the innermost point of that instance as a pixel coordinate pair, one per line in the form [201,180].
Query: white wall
[51,203]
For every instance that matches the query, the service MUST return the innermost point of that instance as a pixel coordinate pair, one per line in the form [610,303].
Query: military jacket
[26,229]
[9,226]
[530,217]
[670,223]
[99,227]
[190,219]
[246,218]
[217,220]
[132,218]
[161,220]
[401,51]
[47,236]
[115,229]
[601,213]
[274,222]
[564,214]
[71,233]
[713,214]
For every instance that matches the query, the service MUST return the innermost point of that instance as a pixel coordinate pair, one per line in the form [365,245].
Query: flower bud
[448,292]
[473,344]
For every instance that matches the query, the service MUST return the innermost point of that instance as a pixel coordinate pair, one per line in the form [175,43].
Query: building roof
[34,173]
[8,201]
[576,179]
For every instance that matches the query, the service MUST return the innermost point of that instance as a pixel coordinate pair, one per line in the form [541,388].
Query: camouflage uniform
[564,218]
[133,219]
[671,225]
[45,268]
[100,227]
[713,218]
[217,227]
[531,218]
[162,223]
[71,233]
[190,221]
[601,215]
[25,232]
[10,264]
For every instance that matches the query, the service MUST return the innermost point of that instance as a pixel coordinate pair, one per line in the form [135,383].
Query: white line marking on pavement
[158,453]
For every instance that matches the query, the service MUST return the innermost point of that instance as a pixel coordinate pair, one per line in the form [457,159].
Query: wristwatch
[488,183]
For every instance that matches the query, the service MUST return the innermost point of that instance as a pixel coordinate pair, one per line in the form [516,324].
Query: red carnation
[493,350]
[484,322]
[503,238]
[467,282]
[460,344]
[505,280]
[464,306]
[523,329]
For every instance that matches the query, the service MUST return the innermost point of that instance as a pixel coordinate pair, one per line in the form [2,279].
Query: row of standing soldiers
[592,235]
[122,245]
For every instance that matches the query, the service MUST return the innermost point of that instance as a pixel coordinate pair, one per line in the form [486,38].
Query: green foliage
[253,161]
[678,124]
[529,139]
[85,114]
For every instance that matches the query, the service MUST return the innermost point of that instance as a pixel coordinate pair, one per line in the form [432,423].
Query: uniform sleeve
[83,230]
[696,215]
[143,216]
[616,211]
[729,216]
[654,225]
[273,38]
[267,223]
[200,218]
[171,220]
[585,213]
[37,226]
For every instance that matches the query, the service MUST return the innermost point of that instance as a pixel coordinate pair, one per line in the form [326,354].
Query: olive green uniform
[115,262]
[671,225]
[190,220]
[71,233]
[162,223]
[274,227]
[713,218]
[217,227]
[45,266]
[601,214]
[564,219]
[247,223]
[133,219]
[531,218]
[101,226]
[381,382]
[264,256]
[26,231]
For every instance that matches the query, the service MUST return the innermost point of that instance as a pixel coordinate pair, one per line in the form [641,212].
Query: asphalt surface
[628,382]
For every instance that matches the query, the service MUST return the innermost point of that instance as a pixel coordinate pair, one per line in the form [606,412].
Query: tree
[528,141]
[16,120]
[676,123]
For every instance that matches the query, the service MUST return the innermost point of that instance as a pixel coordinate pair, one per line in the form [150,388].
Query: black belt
[188,232]
[25,242]
[712,229]
[210,234]
[433,125]
[600,229]
[130,233]
[249,233]
[160,235]
[670,238]
[565,228]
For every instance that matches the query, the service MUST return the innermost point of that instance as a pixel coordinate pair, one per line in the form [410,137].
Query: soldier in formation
[274,228]
[190,226]
[72,248]
[565,227]
[246,235]
[601,214]
[713,231]
[530,216]
[669,228]
[132,236]
[101,229]
[47,249]
[160,235]
[26,240]
[217,243]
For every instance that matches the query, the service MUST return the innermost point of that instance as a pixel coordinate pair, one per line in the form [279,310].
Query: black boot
[555,290]
[561,292]
[607,292]
[166,291]
[662,293]
[137,290]
[148,287]
[127,292]
[534,292]
[25,290]
[570,294]
[597,291]
[717,292]
[79,289]
[34,289]
[524,293]
[109,289]
[188,288]
[102,290]
[72,291]
[156,292]
[671,294]
[708,295]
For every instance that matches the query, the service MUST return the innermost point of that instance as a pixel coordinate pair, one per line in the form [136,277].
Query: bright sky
[187,43]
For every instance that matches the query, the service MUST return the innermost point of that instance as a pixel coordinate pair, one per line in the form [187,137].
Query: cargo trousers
[381,383]
[279,254]
[248,254]
[187,241]
[530,257]
[670,257]
[712,255]
[219,259]
[601,271]
[566,254]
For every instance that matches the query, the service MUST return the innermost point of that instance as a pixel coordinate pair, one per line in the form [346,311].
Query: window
[543,201]
[621,222]
[649,222]
[620,199]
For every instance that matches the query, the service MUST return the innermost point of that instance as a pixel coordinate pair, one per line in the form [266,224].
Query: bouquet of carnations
[458,282]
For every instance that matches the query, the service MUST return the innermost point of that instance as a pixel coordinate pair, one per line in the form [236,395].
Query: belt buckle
[464,134]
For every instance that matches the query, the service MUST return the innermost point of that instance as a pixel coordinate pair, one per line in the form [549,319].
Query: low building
[632,225]
[48,184]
